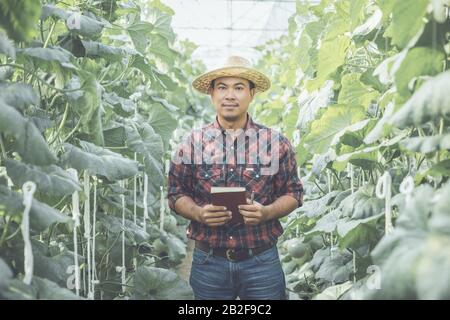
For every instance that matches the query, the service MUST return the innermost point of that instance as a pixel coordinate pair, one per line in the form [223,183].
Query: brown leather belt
[231,254]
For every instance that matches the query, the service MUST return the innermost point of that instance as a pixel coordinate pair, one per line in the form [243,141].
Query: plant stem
[73,130]
[441,131]
[339,180]
[49,34]
[5,231]
[38,78]
[3,147]
[319,187]
[61,125]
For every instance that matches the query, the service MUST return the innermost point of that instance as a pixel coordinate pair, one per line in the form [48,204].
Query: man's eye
[239,88]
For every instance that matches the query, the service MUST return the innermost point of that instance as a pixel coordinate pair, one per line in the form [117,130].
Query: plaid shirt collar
[249,124]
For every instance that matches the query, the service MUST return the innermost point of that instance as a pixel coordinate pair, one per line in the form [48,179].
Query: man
[235,260]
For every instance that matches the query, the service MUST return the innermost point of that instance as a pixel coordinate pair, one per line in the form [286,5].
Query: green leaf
[44,56]
[397,254]
[177,248]
[366,158]
[17,290]
[19,18]
[440,169]
[77,23]
[372,23]
[332,55]
[415,215]
[29,142]
[162,121]
[85,26]
[133,233]
[41,215]
[407,21]
[439,221]
[323,130]
[6,46]
[160,284]
[126,105]
[355,93]
[362,204]
[18,95]
[48,290]
[50,179]
[334,292]
[326,224]
[419,61]
[140,35]
[5,274]
[317,207]
[160,48]
[428,103]
[143,140]
[87,103]
[336,267]
[162,24]
[433,269]
[99,161]
[310,103]
[356,233]
[427,144]
[110,53]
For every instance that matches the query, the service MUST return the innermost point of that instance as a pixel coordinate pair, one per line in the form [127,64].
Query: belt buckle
[229,254]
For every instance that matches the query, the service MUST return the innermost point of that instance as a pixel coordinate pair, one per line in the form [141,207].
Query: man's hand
[213,216]
[254,213]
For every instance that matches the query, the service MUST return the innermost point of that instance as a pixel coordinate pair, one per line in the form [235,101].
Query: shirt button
[231,169]
[231,238]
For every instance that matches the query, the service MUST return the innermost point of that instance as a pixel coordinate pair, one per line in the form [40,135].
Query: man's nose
[230,95]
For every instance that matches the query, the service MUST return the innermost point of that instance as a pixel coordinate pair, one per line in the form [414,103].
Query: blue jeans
[257,278]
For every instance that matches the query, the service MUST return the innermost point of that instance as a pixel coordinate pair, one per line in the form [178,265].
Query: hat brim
[203,82]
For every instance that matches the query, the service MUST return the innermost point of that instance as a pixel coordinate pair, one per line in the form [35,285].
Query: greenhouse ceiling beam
[233,29]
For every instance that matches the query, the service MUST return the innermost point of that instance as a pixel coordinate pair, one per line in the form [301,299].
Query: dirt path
[184,268]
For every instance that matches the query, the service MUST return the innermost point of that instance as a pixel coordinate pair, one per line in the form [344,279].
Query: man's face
[231,97]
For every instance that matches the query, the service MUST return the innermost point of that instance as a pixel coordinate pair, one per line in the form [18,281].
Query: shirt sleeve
[287,181]
[180,175]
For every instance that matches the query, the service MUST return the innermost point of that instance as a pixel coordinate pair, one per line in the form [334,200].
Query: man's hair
[251,84]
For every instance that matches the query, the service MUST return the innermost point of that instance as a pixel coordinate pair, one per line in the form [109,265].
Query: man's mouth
[230,105]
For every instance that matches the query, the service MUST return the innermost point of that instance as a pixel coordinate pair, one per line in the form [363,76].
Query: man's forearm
[281,207]
[187,208]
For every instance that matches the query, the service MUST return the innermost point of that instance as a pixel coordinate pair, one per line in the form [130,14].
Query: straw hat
[234,66]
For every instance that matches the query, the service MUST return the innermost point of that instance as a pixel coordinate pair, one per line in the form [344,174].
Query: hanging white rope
[123,270]
[354,266]
[94,219]
[145,201]
[350,174]
[134,193]
[3,173]
[383,191]
[76,218]
[161,209]
[87,229]
[329,180]
[28,189]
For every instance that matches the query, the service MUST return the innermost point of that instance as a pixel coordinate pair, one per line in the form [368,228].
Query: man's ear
[252,92]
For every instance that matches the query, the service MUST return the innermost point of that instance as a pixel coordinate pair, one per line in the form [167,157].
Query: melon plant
[90,96]
[360,88]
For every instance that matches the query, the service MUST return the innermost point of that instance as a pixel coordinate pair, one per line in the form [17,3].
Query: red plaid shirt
[196,178]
